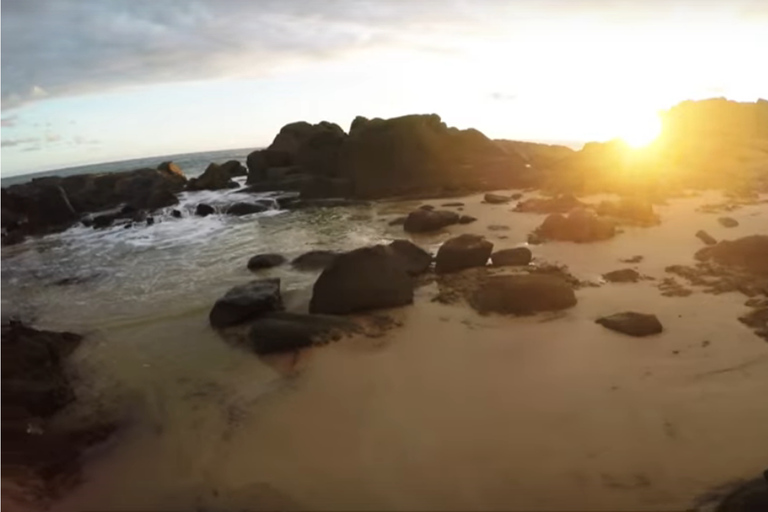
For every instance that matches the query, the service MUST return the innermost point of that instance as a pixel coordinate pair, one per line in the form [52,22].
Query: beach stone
[496,199]
[415,259]
[523,294]
[560,204]
[246,208]
[632,323]
[363,279]
[283,331]
[420,221]
[625,275]
[467,219]
[705,237]
[262,261]
[749,253]
[514,256]
[314,260]
[463,251]
[516,196]
[728,222]
[579,226]
[203,210]
[246,302]
[498,227]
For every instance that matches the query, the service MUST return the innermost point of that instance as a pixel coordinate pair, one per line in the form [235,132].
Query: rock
[451,205]
[757,319]
[728,222]
[172,169]
[560,204]
[215,177]
[261,261]
[498,227]
[259,162]
[363,279]
[203,210]
[330,202]
[421,221]
[128,225]
[496,199]
[633,259]
[246,302]
[523,294]
[750,496]
[314,260]
[427,207]
[749,253]
[705,237]
[150,221]
[234,168]
[625,275]
[246,208]
[516,196]
[283,331]
[633,211]
[515,256]
[463,251]
[398,221]
[467,219]
[160,199]
[579,226]
[415,259]
[176,214]
[103,221]
[631,323]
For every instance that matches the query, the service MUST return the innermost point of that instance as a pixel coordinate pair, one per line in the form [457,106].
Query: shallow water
[452,411]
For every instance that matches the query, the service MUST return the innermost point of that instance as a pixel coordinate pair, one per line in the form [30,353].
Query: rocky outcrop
[632,323]
[463,251]
[538,156]
[629,211]
[422,221]
[364,279]
[749,253]
[757,319]
[522,294]
[234,168]
[579,226]
[283,331]
[514,257]
[246,302]
[560,204]
[262,261]
[215,177]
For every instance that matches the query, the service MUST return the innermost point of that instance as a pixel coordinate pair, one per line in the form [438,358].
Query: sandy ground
[455,411]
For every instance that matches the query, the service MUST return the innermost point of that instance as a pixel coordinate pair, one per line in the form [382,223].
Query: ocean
[193,164]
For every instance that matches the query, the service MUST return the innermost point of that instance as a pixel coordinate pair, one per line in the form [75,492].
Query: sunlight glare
[639,133]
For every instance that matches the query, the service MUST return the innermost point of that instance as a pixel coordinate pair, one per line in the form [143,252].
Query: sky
[86,81]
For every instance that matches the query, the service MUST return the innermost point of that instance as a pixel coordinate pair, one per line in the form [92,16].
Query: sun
[640,132]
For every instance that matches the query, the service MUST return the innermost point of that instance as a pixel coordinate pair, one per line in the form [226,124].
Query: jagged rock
[415,259]
[749,253]
[246,208]
[215,177]
[579,226]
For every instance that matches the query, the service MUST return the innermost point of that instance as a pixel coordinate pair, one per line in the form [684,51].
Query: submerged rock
[240,209]
[246,302]
[625,275]
[514,256]
[463,251]
[283,331]
[314,260]
[523,294]
[632,323]
[705,237]
[262,261]
[420,221]
[204,210]
[367,278]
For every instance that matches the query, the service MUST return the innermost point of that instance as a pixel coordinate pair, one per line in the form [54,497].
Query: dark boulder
[215,177]
[749,253]
[160,199]
[523,294]
[728,222]
[496,199]
[261,261]
[203,210]
[463,251]
[750,496]
[421,221]
[514,256]
[705,237]
[102,221]
[176,214]
[631,323]
[467,219]
[246,208]
[415,259]
[317,152]
[150,221]
[560,204]
[579,226]
[625,275]
[314,260]
[246,302]
[234,168]
[172,170]
[757,319]
[283,331]
[259,162]
[362,279]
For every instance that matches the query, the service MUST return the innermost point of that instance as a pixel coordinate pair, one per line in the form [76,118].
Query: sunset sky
[86,81]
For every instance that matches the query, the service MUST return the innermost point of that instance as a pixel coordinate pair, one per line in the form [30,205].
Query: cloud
[9,143]
[52,137]
[9,122]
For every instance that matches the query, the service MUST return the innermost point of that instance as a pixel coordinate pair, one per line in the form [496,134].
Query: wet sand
[453,410]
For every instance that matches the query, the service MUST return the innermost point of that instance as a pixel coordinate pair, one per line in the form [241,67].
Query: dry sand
[456,411]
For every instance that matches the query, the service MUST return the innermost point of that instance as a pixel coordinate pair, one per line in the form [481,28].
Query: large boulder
[632,323]
[496,199]
[215,177]
[749,253]
[318,152]
[421,221]
[514,256]
[560,204]
[579,226]
[363,279]
[523,294]
[246,302]
[629,210]
[260,161]
[49,207]
[234,168]
[283,331]
[415,259]
[204,210]
[463,251]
